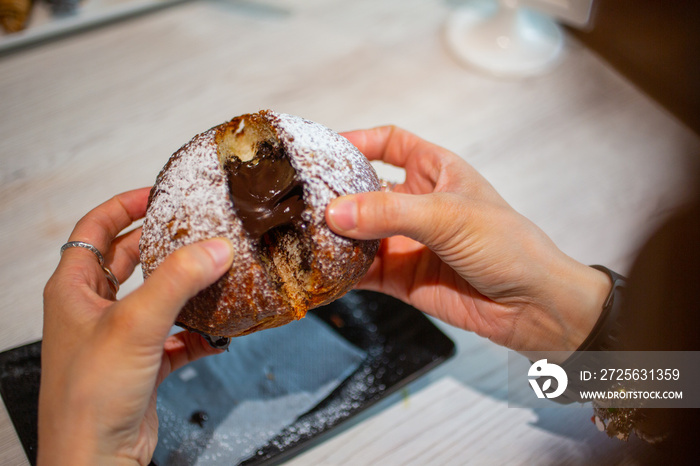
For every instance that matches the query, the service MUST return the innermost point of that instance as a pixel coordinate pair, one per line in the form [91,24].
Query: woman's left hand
[102,359]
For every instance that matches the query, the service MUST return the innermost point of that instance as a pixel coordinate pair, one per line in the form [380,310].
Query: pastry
[263,180]
[14,14]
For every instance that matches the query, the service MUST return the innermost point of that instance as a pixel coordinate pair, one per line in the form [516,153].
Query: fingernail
[343,215]
[220,250]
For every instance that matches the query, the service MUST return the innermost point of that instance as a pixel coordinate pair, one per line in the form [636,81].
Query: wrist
[572,301]
[65,447]
[581,303]
[71,437]
[76,453]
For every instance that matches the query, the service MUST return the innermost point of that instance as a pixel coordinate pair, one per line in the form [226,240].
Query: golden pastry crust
[279,276]
[14,14]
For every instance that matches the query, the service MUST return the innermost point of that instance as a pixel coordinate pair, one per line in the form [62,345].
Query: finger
[431,219]
[103,223]
[425,163]
[184,348]
[146,315]
[392,145]
[376,143]
[124,255]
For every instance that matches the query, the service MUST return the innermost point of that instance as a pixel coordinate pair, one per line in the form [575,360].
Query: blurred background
[597,149]
[651,42]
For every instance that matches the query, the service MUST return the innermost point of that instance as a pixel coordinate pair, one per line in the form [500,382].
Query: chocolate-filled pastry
[263,180]
[14,14]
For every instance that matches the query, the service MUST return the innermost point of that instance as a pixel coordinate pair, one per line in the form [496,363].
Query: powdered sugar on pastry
[275,278]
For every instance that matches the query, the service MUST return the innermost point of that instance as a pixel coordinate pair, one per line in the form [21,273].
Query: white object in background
[503,38]
[576,13]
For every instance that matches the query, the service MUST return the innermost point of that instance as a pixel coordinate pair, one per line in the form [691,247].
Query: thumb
[149,311]
[426,218]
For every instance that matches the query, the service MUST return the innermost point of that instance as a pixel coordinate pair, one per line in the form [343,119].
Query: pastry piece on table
[14,14]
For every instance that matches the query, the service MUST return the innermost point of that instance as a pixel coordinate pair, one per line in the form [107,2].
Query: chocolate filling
[264,190]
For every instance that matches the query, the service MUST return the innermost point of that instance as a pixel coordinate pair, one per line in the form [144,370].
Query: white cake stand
[504,39]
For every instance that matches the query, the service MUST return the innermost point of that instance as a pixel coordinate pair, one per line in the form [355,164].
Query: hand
[102,359]
[456,250]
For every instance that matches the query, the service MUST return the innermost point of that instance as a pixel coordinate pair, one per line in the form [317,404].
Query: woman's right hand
[456,250]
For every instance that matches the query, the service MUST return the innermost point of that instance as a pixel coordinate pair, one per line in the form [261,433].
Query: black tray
[400,342]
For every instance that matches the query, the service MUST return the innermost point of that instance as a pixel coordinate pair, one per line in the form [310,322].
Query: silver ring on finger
[111,279]
[84,245]
[385,185]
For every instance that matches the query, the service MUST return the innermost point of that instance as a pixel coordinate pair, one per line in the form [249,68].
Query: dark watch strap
[605,333]
[603,337]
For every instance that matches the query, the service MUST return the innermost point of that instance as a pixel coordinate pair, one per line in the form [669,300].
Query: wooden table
[580,151]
